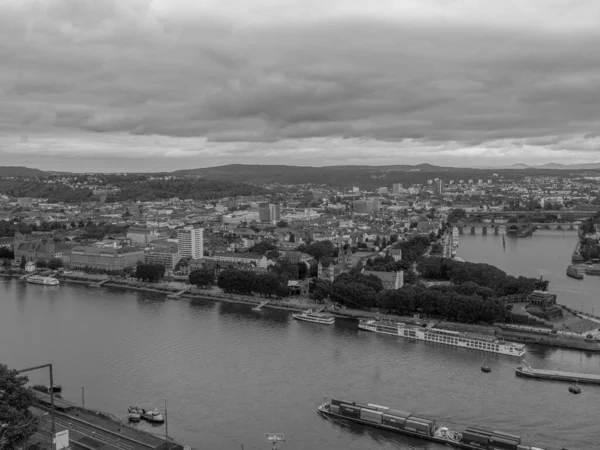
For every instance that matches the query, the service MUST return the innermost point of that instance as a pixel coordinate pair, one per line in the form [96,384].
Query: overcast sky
[135,85]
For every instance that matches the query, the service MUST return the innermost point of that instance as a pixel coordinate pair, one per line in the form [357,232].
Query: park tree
[55,263]
[149,272]
[7,253]
[319,289]
[23,262]
[319,249]
[202,278]
[456,215]
[15,411]
[41,264]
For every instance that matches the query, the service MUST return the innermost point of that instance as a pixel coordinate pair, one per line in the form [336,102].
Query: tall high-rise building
[396,188]
[269,212]
[274,213]
[191,243]
[439,187]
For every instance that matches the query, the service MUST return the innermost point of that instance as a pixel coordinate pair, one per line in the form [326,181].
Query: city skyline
[164,85]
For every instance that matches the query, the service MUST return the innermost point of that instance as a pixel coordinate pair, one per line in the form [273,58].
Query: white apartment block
[191,243]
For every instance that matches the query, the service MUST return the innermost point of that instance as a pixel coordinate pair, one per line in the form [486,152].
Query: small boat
[149,415]
[135,410]
[486,368]
[153,416]
[315,317]
[575,389]
[134,417]
[55,388]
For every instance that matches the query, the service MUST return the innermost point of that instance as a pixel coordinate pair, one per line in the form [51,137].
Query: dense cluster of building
[184,234]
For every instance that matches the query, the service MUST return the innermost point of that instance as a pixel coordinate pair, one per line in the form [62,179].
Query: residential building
[397,188]
[390,280]
[142,236]
[40,250]
[396,253]
[105,258]
[166,255]
[191,243]
[268,212]
[439,187]
[365,206]
[240,258]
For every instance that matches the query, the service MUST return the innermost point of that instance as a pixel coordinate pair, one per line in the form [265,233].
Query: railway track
[88,434]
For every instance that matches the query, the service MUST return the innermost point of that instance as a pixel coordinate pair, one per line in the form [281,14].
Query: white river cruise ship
[48,281]
[432,334]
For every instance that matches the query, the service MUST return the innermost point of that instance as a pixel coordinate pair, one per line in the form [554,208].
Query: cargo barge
[431,333]
[545,336]
[556,375]
[406,423]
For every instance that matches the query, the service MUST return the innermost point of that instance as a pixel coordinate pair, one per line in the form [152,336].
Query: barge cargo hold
[402,422]
[555,375]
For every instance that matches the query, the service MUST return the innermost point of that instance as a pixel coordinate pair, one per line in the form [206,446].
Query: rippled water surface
[230,374]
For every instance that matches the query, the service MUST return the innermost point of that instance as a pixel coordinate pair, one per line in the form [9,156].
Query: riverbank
[291,304]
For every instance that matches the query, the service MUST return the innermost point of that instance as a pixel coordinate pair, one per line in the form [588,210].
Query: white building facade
[191,243]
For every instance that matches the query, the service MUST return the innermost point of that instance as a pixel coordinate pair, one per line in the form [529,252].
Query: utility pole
[53,420]
[82,398]
[166,426]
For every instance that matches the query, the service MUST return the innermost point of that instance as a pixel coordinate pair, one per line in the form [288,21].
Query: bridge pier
[461,231]
[484,230]
[472,230]
[572,227]
[558,227]
[496,229]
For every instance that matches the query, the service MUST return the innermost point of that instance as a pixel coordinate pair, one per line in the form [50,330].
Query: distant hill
[19,171]
[554,166]
[344,176]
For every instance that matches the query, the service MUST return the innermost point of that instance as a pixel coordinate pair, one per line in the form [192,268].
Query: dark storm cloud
[119,66]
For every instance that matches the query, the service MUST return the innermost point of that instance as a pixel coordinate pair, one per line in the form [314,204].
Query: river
[231,374]
[547,254]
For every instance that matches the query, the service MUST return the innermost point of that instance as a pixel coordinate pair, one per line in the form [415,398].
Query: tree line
[16,411]
[467,303]
[249,283]
[186,188]
[484,275]
[149,272]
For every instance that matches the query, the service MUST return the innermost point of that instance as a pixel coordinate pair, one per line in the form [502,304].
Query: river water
[230,374]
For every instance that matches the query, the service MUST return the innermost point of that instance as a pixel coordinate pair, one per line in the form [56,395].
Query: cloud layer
[165,84]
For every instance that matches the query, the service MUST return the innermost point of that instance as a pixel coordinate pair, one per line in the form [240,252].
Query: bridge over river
[496,227]
[571,215]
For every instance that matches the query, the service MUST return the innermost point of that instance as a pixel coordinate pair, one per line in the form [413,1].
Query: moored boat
[589,341]
[153,415]
[406,423]
[431,333]
[315,317]
[574,273]
[557,375]
[47,281]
